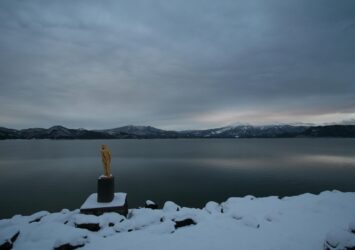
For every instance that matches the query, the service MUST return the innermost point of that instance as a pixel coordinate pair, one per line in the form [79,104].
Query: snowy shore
[324,221]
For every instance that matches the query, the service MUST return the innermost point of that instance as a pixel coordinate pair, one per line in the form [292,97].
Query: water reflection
[290,161]
[332,160]
[51,175]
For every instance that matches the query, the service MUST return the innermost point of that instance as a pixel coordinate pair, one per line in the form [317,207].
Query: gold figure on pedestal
[106,160]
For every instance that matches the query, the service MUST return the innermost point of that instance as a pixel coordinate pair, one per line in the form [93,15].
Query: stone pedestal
[105,189]
[118,204]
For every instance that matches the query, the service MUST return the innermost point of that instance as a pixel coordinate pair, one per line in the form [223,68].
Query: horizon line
[220,127]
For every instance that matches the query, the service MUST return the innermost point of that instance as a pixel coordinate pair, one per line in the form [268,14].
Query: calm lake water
[51,175]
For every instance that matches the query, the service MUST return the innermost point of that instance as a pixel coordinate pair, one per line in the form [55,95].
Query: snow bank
[324,221]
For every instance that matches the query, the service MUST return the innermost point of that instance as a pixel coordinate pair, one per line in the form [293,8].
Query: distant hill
[148,132]
[55,132]
[141,132]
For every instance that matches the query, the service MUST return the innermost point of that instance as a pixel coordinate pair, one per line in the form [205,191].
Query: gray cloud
[173,65]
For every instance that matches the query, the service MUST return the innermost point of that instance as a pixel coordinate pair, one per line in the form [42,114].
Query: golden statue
[106,160]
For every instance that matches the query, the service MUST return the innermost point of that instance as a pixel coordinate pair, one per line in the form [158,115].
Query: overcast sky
[176,64]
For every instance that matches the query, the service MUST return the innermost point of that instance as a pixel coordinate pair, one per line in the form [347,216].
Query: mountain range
[148,132]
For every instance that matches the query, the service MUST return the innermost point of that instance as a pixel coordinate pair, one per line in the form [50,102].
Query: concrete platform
[118,204]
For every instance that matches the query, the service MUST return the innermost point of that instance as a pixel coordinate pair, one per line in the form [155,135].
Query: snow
[105,176]
[339,239]
[108,218]
[170,206]
[222,130]
[352,226]
[91,201]
[213,207]
[149,202]
[7,233]
[301,222]
[85,219]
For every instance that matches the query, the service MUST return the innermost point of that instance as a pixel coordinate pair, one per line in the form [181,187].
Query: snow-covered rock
[213,208]
[352,226]
[151,204]
[170,206]
[307,221]
[339,240]
[250,221]
[8,236]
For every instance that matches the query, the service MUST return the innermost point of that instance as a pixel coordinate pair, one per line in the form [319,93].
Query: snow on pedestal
[118,205]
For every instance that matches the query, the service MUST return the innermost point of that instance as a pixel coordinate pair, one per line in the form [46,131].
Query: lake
[51,175]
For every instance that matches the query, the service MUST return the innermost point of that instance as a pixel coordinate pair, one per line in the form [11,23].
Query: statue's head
[103,147]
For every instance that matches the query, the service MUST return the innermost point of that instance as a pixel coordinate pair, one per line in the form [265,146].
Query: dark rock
[37,217]
[94,227]
[151,204]
[67,246]
[14,237]
[352,227]
[7,245]
[184,223]
[35,220]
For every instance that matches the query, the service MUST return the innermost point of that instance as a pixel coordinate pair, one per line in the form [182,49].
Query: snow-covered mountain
[55,132]
[148,132]
[248,131]
[141,131]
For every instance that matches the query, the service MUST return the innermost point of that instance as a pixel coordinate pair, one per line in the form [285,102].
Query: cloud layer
[175,65]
